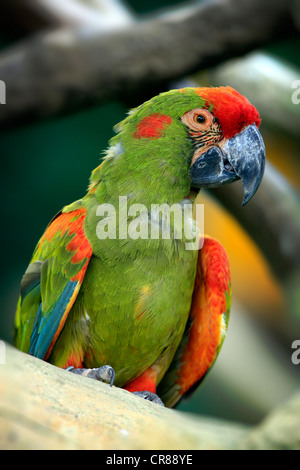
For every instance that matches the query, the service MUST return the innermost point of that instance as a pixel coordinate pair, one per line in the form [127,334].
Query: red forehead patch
[233,110]
[151,127]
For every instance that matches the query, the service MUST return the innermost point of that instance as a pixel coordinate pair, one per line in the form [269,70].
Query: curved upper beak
[241,157]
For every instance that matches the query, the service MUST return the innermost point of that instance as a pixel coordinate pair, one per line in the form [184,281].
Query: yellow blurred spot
[252,282]
[145,290]
[283,152]
[141,305]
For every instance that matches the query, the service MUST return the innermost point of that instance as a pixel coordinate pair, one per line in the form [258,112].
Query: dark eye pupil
[200,119]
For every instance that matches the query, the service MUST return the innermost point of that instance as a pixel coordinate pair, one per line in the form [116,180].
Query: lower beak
[241,157]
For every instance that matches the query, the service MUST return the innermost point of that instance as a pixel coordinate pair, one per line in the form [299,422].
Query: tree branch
[72,68]
[266,81]
[44,407]
[22,17]
[28,16]
[105,15]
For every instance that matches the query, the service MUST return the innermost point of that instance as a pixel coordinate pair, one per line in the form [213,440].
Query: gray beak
[242,157]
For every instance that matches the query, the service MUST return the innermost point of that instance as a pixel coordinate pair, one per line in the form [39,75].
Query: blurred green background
[47,165]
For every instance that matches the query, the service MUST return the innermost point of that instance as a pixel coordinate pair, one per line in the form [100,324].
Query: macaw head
[191,138]
[227,143]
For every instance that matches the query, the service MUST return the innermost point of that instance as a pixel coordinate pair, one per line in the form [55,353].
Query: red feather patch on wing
[73,223]
[210,302]
[66,231]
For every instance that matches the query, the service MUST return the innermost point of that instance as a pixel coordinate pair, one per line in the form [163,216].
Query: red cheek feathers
[152,127]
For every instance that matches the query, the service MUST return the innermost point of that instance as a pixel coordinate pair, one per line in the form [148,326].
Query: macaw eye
[200,118]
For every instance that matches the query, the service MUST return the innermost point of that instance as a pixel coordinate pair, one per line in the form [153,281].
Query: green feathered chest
[137,294]
[137,311]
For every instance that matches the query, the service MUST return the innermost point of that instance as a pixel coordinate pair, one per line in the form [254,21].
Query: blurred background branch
[88,61]
[272,219]
[29,16]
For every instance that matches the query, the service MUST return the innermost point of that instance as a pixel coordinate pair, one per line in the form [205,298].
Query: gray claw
[104,373]
[149,396]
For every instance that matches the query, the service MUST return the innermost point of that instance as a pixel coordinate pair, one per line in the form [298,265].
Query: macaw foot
[104,373]
[149,396]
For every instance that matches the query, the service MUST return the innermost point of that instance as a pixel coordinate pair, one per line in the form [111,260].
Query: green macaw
[105,296]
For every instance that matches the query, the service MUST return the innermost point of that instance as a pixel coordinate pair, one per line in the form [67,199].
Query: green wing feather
[51,283]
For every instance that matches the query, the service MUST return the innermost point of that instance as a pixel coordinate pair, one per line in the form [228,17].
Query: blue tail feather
[45,326]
